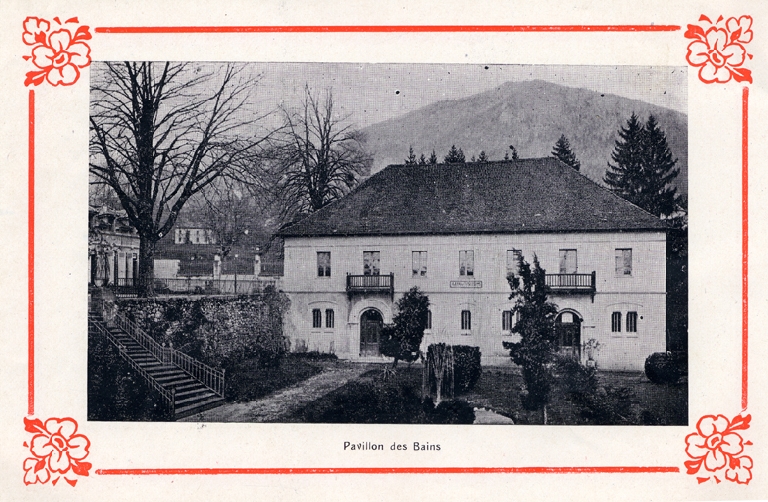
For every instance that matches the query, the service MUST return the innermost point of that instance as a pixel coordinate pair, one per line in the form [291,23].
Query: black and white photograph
[382,243]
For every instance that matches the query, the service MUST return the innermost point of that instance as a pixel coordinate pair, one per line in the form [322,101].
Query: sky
[370,93]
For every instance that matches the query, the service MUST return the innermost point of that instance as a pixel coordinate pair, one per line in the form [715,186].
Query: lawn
[369,400]
[247,381]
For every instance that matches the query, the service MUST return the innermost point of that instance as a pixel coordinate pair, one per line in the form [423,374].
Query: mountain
[530,115]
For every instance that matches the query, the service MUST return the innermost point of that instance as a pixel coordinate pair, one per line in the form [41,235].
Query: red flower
[35,471]
[715,446]
[740,470]
[57,52]
[59,444]
[718,49]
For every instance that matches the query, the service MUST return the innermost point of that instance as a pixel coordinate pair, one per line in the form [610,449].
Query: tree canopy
[562,151]
[401,339]
[454,156]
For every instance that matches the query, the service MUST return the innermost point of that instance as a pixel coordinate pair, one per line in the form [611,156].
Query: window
[466,320]
[507,320]
[568,261]
[419,260]
[616,322]
[623,262]
[317,320]
[466,263]
[513,261]
[371,261]
[323,263]
[429,319]
[631,322]
[329,318]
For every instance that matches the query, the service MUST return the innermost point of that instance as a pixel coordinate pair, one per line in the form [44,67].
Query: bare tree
[162,132]
[317,159]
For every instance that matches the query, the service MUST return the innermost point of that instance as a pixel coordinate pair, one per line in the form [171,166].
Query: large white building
[454,231]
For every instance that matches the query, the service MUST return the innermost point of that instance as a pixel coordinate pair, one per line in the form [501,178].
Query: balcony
[371,284]
[572,284]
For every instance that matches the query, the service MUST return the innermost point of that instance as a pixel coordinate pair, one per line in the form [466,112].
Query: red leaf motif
[702,480]
[741,75]
[735,35]
[35,78]
[40,38]
[57,19]
[733,462]
[748,443]
[694,32]
[738,421]
[72,20]
[82,33]
[81,468]
[34,426]
[704,18]
[718,20]
[693,466]
[55,481]
[72,482]
[26,58]
[40,465]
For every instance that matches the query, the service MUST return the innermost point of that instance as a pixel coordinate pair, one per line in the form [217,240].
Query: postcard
[346,251]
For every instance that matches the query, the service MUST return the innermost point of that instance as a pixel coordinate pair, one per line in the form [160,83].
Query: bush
[460,373]
[665,368]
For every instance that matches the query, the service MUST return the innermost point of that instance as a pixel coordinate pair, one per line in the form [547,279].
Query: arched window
[317,318]
[616,322]
[466,320]
[329,318]
[631,322]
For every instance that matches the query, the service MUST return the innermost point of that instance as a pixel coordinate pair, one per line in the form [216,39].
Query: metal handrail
[168,396]
[213,378]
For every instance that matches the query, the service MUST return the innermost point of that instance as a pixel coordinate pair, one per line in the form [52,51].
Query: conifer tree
[411,160]
[455,156]
[482,157]
[433,158]
[623,177]
[422,160]
[401,339]
[513,153]
[562,151]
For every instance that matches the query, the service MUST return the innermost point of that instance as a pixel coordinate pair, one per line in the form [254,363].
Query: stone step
[184,401]
[209,403]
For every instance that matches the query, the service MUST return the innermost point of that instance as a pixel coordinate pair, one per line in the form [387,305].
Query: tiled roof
[524,196]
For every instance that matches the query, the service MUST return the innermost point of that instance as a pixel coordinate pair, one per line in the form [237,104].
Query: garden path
[272,408]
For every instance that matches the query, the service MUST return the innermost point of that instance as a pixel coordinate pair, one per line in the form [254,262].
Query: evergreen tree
[482,157]
[401,339]
[455,156]
[562,151]
[536,327]
[506,155]
[644,168]
[513,154]
[473,159]
[411,160]
[422,160]
[433,158]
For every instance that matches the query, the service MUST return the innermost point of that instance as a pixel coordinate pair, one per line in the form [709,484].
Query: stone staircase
[187,395]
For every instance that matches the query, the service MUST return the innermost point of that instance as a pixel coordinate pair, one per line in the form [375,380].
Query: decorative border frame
[717,49]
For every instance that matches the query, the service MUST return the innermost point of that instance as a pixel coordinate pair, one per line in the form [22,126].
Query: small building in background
[113,248]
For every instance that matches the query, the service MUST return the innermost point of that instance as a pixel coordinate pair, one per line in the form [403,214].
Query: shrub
[459,366]
[665,367]
[401,339]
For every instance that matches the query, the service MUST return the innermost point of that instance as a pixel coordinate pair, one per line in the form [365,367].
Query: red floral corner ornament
[716,448]
[718,49]
[57,452]
[58,50]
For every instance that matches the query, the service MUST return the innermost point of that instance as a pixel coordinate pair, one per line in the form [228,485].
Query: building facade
[456,232]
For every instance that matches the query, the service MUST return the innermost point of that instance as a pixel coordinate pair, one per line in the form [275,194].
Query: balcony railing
[371,284]
[572,283]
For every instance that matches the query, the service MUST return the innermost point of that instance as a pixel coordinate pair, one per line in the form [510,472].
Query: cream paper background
[61,268]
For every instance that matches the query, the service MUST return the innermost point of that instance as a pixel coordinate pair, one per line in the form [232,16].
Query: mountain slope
[531,116]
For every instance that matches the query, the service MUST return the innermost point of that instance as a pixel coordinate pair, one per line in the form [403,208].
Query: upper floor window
[466,320]
[616,322]
[323,263]
[466,263]
[623,262]
[513,261]
[371,261]
[329,318]
[419,261]
[507,320]
[568,263]
[317,318]
[631,322]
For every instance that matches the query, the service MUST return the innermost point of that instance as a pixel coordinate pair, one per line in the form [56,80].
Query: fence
[197,286]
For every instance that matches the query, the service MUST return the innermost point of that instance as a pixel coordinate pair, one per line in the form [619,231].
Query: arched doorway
[370,329]
[568,328]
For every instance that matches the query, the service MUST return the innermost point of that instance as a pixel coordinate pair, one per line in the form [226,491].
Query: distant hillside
[531,116]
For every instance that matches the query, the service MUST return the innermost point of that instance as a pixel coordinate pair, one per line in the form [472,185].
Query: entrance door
[370,328]
[568,327]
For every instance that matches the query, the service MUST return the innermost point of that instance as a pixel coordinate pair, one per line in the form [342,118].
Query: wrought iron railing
[371,283]
[127,287]
[571,283]
[168,396]
[213,378]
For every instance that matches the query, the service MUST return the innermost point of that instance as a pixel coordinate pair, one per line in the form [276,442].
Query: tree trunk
[146,286]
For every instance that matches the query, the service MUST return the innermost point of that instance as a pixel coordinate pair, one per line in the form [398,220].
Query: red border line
[31,260]
[744,245]
[393,470]
[385,29]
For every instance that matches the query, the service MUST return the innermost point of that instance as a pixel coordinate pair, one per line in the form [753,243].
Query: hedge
[666,367]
